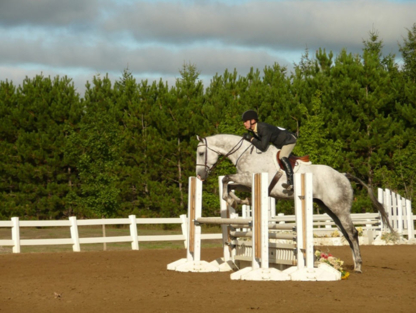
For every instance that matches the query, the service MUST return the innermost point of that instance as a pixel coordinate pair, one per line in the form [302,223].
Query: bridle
[232,151]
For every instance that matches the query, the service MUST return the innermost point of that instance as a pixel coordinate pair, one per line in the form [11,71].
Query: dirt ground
[137,281]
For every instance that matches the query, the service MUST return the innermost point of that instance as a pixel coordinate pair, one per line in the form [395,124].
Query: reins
[232,151]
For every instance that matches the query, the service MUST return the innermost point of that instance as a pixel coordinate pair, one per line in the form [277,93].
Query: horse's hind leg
[345,224]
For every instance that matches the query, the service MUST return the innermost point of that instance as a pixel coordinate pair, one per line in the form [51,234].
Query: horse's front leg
[230,183]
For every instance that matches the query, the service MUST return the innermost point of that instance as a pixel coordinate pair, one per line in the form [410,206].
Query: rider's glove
[247,136]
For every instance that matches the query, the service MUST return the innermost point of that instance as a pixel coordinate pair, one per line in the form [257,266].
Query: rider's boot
[289,173]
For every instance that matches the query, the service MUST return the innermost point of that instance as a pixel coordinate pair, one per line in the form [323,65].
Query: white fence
[75,240]
[399,211]
[322,224]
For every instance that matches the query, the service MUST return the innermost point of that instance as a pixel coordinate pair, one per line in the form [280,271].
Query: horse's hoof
[288,192]
[246,201]
[358,270]
[287,186]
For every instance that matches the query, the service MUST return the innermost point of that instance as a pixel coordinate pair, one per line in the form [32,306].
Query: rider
[265,134]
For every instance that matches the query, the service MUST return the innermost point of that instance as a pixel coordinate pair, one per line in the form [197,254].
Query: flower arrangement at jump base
[333,261]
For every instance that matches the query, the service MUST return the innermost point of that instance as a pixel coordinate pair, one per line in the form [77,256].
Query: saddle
[292,159]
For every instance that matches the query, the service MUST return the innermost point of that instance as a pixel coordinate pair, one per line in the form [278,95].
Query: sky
[154,39]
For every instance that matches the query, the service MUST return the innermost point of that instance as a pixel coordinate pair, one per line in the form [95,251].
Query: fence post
[381,199]
[369,231]
[133,232]
[74,234]
[184,227]
[328,225]
[281,214]
[410,222]
[399,215]
[16,234]
[388,207]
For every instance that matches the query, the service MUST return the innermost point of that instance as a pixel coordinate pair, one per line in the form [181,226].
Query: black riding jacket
[271,134]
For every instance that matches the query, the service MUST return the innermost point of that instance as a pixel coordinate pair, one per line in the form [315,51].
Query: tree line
[128,147]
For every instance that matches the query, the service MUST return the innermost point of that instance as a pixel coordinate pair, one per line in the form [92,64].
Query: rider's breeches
[286,151]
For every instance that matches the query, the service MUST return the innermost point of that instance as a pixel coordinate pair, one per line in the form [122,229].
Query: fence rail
[398,209]
[322,223]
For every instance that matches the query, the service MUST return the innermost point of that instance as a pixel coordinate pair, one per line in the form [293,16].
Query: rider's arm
[261,141]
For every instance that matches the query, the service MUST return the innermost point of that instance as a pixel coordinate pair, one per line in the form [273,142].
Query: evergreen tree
[408,51]
[314,140]
[96,148]
[400,177]
[277,106]
[37,173]
[178,118]
[10,204]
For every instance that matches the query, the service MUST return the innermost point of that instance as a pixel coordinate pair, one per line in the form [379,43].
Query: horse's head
[206,157]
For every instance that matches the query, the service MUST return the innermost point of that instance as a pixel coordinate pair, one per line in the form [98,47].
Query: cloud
[48,12]
[103,56]
[271,24]
[155,38]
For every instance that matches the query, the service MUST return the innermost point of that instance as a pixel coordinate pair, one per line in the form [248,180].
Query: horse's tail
[376,204]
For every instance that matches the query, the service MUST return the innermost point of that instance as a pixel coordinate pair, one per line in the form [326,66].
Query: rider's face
[248,124]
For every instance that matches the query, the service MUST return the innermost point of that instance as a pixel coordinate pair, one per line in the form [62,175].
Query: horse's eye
[201,153]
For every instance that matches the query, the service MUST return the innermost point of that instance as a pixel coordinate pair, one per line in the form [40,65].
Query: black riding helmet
[249,115]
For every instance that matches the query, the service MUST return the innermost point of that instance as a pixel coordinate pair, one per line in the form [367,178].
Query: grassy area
[96,231]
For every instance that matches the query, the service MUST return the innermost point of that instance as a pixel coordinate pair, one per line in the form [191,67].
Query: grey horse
[332,190]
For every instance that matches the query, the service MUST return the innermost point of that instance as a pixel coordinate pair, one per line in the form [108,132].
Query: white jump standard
[193,262]
[259,270]
[259,225]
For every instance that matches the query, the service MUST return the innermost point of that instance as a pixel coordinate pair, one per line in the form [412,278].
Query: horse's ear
[199,138]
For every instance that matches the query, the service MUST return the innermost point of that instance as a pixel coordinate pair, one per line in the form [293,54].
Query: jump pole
[193,262]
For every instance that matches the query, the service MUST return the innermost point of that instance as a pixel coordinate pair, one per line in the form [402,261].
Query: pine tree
[314,140]
[37,173]
[96,149]
[400,177]
[10,204]
[408,51]
[277,101]
[178,118]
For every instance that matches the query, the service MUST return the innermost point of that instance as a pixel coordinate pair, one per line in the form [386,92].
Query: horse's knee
[226,179]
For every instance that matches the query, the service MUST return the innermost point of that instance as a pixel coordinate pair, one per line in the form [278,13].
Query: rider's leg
[289,173]
[284,157]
